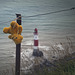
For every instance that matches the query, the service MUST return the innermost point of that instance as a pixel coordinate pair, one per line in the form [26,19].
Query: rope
[17,18]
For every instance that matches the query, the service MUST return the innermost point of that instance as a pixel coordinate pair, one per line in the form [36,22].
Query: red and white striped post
[36,51]
[35,39]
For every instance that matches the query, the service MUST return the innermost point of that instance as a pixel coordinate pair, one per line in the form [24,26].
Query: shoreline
[56,65]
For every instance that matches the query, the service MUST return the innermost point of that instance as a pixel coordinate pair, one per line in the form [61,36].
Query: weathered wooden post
[18,49]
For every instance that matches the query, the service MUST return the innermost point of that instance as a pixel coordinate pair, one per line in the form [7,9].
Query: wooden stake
[18,49]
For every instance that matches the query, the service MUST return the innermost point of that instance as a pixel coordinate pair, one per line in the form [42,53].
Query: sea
[53,23]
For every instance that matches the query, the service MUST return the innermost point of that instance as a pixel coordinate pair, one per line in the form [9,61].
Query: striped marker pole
[36,51]
[35,39]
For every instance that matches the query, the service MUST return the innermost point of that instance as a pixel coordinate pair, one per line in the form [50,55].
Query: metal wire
[51,12]
[73,8]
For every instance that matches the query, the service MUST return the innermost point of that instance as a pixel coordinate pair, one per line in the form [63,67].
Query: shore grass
[64,66]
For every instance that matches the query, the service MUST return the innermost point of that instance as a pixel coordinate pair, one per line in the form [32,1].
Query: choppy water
[52,27]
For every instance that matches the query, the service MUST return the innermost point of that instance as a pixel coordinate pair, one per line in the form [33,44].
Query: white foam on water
[27,59]
[44,47]
[28,52]
[28,43]
[59,46]
[31,43]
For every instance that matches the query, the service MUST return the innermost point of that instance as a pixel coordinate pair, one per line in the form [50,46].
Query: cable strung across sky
[51,12]
[48,13]
[73,8]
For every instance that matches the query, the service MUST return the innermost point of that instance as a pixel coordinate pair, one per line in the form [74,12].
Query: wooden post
[18,48]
